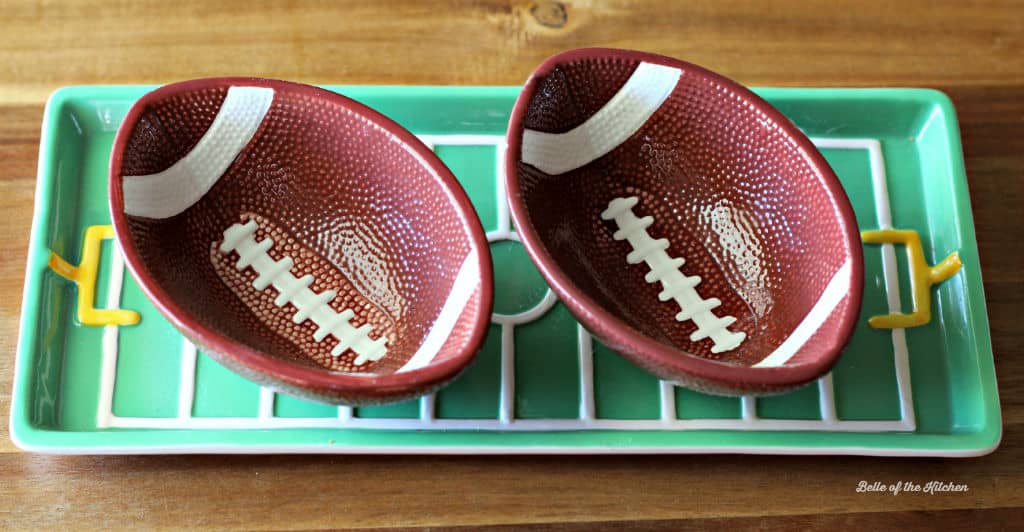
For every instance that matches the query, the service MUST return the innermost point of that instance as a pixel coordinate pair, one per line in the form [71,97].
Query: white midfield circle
[506,419]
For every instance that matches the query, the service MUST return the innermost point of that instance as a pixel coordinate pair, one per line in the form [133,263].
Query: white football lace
[675,285]
[296,291]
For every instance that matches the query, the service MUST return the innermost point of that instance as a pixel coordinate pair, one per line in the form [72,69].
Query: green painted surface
[475,395]
[148,363]
[475,168]
[696,405]
[518,286]
[220,393]
[56,390]
[874,369]
[547,367]
[404,410]
[286,406]
[801,403]
[622,390]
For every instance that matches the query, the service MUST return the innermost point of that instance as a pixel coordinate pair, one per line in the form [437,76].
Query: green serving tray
[541,384]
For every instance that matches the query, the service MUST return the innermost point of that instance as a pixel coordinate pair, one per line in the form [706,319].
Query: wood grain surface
[973,50]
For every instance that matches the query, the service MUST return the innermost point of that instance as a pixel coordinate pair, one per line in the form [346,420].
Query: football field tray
[541,383]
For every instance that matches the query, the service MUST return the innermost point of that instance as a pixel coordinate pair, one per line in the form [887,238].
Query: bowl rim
[292,374]
[618,333]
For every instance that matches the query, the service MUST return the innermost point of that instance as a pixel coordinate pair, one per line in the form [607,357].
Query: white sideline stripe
[427,409]
[466,282]
[504,218]
[891,275]
[187,380]
[623,115]
[827,399]
[667,397]
[749,422]
[835,291]
[748,409]
[177,188]
[507,391]
[111,333]
[585,348]
[266,408]
[462,139]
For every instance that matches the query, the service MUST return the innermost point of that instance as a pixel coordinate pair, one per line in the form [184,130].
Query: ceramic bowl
[300,238]
[684,221]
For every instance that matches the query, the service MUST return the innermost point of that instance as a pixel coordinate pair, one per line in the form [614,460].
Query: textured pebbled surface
[344,197]
[732,192]
[325,277]
[170,192]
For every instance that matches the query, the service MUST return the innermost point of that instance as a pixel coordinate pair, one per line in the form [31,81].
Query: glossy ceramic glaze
[343,199]
[766,233]
[894,150]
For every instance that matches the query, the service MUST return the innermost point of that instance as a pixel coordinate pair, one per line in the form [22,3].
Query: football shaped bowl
[684,221]
[301,239]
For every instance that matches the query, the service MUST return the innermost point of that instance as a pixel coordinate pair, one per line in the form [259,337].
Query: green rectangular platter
[542,385]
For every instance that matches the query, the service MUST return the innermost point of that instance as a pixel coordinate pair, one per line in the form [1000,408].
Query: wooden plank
[842,42]
[279,492]
[972,50]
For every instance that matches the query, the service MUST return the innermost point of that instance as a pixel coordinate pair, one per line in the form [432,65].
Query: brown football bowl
[684,221]
[301,239]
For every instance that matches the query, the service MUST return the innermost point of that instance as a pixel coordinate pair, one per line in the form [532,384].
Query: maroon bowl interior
[356,200]
[738,191]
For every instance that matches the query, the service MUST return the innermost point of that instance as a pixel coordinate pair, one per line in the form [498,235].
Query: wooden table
[975,54]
